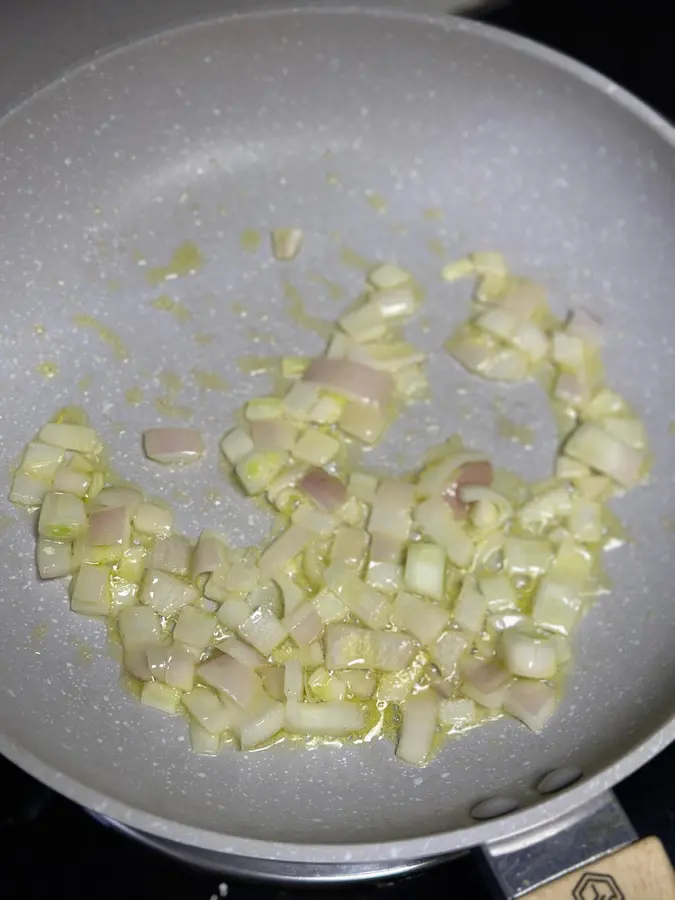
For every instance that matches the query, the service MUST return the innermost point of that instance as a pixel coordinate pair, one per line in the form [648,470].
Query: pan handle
[591,854]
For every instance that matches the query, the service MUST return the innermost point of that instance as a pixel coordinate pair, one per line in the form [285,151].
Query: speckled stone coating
[298,118]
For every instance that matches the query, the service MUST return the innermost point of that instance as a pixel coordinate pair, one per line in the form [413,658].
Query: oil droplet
[332,179]
[48,369]
[512,431]
[84,383]
[354,260]
[239,309]
[167,407]
[433,214]
[40,330]
[39,633]
[171,382]
[204,339]
[112,284]
[377,201]
[258,365]
[106,334]
[437,247]
[399,228]
[296,308]
[134,396]
[178,310]
[180,496]
[186,260]
[250,240]
[209,381]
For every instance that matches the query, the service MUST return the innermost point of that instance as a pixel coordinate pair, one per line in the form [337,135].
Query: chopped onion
[630,431]
[528,655]
[263,409]
[525,556]
[367,604]
[349,546]
[173,445]
[484,681]
[108,527]
[591,445]
[41,460]
[533,702]
[337,718]
[316,448]
[456,713]
[498,592]
[366,323]
[543,510]
[349,647]
[387,276]
[326,687]
[422,619]
[233,612]
[304,624]
[161,696]
[120,496]
[259,468]
[435,518]
[53,558]
[447,651]
[293,366]
[274,434]
[207,709]
[263,630]
[585,521]
[391,512]
[164,593]
[353,380]
[273,682]
[461,268]
[583,324]
[556,605]
[263,721]
[360,682]
[286,243]
[242,652]
[236,445]
[294,687]
[209,555]
[330,607]
[62,517]
[284,549]
[238,682]
[139,627]
[90,593]
[451,471]
[201,741]
[363,421]
[27,490]
[301,400]
[70,437]
[242,577]
[326,490]
[152,519]
[418,728]
[194,627]
[71,480]
[425,570]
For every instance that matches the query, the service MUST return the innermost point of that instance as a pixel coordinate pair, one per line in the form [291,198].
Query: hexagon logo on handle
[595,886]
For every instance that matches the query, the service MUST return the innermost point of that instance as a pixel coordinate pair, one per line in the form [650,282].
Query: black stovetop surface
[52,849]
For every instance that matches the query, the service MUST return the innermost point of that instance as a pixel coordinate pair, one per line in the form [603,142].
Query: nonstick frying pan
[299,116]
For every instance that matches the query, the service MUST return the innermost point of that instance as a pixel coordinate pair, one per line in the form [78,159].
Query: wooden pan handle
[641,871]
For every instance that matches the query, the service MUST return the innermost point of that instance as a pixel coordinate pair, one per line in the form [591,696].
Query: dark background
[52,849]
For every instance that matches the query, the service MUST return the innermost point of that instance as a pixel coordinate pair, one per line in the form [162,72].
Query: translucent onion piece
[366,323]
[351,379]
[139,628]
[591,445]
[338,718]
[70,437]
[53,558]
[330,607]
[425,570]
[316,448]
[498,591]
[263,721]
[108,527]
[556,605]
[286,243]
[484,681]
[387,276]
[422,619]
[294,686]
[363,486]
[363,421]
[304,624]
[437,521]
[584,325]
[236,445]
[301,400]
[529,656]
[368,605]
[450,471]
[273,435]
[391,512]
[524,556]
[152,520]
[586,521]
[194,627]
[263,630]
[161,696]
[207,709]
[461,268]
[360,682]
[456,713]
[326,490]
[42,460]
[90,592]
[233,612]
[201,741]
[263,409]
[71,480]
[349,647]
[173,445]
[164,593]
[242,652]
[273,682]
[258,469]
[326,687]
[62,517]
[120,496]
[530,701]
[349,546]
[242,577]
[27,490]
[447,651]
[209,554]
[239,682]
[418,728]
[284,549]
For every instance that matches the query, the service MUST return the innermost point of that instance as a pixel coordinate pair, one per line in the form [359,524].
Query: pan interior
[357,128]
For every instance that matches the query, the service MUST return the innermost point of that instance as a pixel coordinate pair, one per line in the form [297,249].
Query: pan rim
[440,843]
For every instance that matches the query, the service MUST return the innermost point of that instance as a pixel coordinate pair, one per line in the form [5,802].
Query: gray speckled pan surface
[213,129]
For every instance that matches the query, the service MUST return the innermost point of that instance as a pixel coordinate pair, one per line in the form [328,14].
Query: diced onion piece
[531,340]
[396,686]
[484,681]
[202,742]
[316,448]
[239,682]
[258,469]
[42,460]
[585,521]
[242,652]
[207,709]
[544,509]
[449,472]
[361,682]
[90,594]
[301,400]
[233,613]
[337,718]
[304,624]
[363,421]
[366,323]
[62,517]
[456,713]
[330,607]
[489,262]
[327,410]
[498,592]
[388,275]
[326,490]
[152,519]
[592,445]
[435,518]
[349,647]
[367,604]
[447,651]
[273,681]
[263,630]
[568,351]
[395,302]
[481,355]
[27,490]
[179,671]
[71,480]
[70,437]
[391,512]
[139,627]
[209,554]
[53,558]
[525,556]
[461,268]
[120,496]
[164,593]
[425,570]
[293,366]
[161,696]
[349,546]
[173,445]
[326,687]
[422,619]
[275,434]
[571,389]
[171,554]
[526,298]
[533,702]
[243,577]
[108,527]
[313,520]
[606,402]
[284,549]
[584,325]
[528,655]
[630,431]
[194,627]
[595,487]
[236,445]
[418,728]
[556,605]
[262,722]
[286,243]
[570,469]
[294,687]
[498,322]
[263,409]
[470,606]
[385,577]
[351,379]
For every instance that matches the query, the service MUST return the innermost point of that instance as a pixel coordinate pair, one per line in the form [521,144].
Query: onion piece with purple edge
[352,379]
[109,527]
[239,682]
[533,702]
[326,490]
[173,445]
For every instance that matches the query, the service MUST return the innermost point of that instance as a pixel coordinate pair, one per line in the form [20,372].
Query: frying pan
[299,116]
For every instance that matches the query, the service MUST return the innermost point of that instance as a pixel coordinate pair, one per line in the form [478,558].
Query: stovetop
[52,848]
